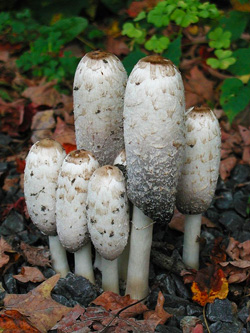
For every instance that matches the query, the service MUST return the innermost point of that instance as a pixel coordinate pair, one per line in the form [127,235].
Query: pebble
[13,224]
[10,284]
[243,314]
[193,310]
[240,203]
[220,310]
[225,200]
[167,329]
[231,220]
[76,288]
[222,327]
[241,173]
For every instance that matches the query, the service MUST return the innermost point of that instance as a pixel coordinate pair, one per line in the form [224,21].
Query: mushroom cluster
[136,148]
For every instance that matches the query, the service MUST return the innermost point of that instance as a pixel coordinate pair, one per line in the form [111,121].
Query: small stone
[181,289]
[241,173]
[3,167]
[220,327]
[240,203]
[193,310]
[167,329]
[177,312]
[231,220]
[225,200]
[76,288]
[63,300]
[5,140]
[212,214]
[10,284]
[220,310]
[166,283]
[13,224]
[243,314]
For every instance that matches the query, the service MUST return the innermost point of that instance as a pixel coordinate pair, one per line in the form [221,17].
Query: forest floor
[34,299]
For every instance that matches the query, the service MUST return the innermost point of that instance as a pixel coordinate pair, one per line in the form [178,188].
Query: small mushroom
[199,176]
[43,164]
[71,195]
[108,220]
[154,132]
[98,95]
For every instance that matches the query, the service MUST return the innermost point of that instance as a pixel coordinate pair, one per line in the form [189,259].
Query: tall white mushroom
[108,220]
[98,95]
[199,176]
[154,136]
[43,164]
[71,196]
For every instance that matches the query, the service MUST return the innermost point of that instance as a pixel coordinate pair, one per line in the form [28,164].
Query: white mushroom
[98,94]
[108,220]
[199,176]
[43,164]
[154,136]
[71,196]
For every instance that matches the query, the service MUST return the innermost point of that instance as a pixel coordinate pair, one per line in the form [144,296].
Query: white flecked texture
[154,133]
[200,170]
[107,213]
[43,164]
[71,195]
[98,96]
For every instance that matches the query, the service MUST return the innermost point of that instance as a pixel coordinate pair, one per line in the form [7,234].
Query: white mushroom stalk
[98,95]
[154,137]
[43,164]
[71,196]
[199,176]
[108,220]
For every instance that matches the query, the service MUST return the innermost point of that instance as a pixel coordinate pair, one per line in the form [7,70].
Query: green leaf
[235,22]
[174,51]
[159,15]
[219,39]
[235,97]
[131,59]
[223,61]
[133,32]
[242,65]
[140,16]
[213,62]
[71,27]
[158,45]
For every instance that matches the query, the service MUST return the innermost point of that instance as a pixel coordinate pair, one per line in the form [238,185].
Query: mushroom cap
[98,94]
[121,158]
[71,196]
[43,164]
[154,133]
[200,170]
[107,211]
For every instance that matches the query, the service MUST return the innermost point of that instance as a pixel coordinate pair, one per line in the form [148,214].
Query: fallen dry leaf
[36,256]
[43,312]
[4,247]
[14,321]
[43,94]
[232,249]
[69,147]
[42,125]
[159,315]
[226,166]
[64,133]
[116,46]
[245,134]
[236,271]
[218,252]
[198,89]
[114,302]
[210,283]
[32,274]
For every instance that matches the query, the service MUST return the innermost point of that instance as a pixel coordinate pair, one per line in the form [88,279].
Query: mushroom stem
[140,246]
[123,263]
[98,261]
[191,244]
[58,256]
[83,263]
[110,278]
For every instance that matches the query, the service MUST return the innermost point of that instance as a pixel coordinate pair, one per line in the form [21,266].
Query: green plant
[43,45]
[164,29]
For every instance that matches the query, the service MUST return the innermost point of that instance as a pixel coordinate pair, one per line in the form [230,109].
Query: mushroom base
[58,256]
[83,263]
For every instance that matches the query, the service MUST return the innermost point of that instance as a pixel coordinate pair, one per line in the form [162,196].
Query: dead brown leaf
[42,125]
[64,133]
[236,271]
[43,94]
[12,321]
[226,166]
[244,250]
[232,249]
[43,312]
[32,274]
[114,302]
[198,88]
[36,256]
[116,46]
[4,247]
[159,315]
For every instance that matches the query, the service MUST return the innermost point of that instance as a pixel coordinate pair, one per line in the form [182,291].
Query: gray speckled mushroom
[98,96]
[71,196]
[108,220]
[43,164]
[154,133]
[199,176]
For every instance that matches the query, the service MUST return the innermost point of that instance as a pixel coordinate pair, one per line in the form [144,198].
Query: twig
[205,319]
